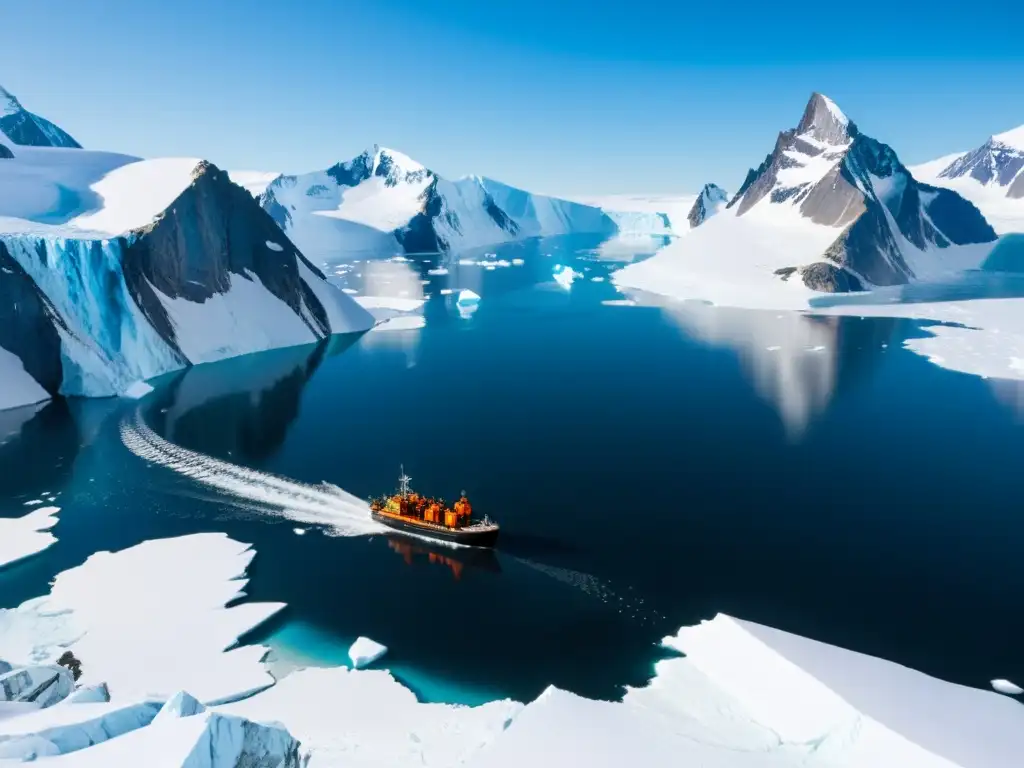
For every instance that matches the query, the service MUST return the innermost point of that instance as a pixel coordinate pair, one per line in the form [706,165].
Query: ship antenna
[403,481]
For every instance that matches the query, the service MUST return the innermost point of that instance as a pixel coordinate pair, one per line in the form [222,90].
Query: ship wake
[341,513]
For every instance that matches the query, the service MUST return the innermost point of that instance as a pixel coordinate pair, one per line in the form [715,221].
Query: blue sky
[560,97]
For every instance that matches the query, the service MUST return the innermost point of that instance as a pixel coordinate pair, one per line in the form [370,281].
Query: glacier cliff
[115,270]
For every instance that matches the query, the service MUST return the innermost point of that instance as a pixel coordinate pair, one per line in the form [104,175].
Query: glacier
[115,270]
[384,202]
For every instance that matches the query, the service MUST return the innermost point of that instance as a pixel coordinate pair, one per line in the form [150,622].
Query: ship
[411,512]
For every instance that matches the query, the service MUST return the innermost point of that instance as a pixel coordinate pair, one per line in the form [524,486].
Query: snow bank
[365,651]
[17,387]
[365,719]
[150,620]
[76,193]
[23,537]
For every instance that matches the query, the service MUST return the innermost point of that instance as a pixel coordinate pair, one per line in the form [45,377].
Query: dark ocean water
[650,466]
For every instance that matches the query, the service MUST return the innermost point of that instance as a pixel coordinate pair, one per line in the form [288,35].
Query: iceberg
[23,537]
[365,651]
[1005,686]
[467,296]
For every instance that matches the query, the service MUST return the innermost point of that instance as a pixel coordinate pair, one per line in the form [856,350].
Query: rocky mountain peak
[824,120]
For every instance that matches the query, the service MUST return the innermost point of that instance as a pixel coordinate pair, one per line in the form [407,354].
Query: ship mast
[403,482]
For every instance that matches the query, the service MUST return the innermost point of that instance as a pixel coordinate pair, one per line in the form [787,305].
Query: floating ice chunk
[137,390]
[274,246]
[299,531]
[1005,686]
[32,502]
[619,303]
[181,704]
[365,651]
[597,279]
[438,271]
[466,296]
[467,262]
[490,267]
[564,275]
[446,291]
[350,291]
[21,537]
[518,262]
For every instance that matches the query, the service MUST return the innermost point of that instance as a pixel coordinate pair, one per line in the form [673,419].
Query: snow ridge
[382,201]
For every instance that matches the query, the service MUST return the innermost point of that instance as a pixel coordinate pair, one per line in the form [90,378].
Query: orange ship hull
[475,535]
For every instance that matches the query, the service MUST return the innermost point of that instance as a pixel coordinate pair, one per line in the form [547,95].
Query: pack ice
[115,269]
[743,696]
[385,202]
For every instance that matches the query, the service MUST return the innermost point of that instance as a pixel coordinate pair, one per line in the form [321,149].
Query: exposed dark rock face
[353,172]
[23,127]
[5,152]
[212,233]
[882,209]
[29,324]
[499,216]
[419,235]
[829,278]
[707,202]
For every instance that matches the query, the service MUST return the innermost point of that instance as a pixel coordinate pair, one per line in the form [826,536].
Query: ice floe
[365,719]
[147,625]
[1005,686]
[365,651]
[744,695]
[22,537]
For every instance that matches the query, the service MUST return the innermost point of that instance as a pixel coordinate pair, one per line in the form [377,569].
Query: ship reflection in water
[455,560]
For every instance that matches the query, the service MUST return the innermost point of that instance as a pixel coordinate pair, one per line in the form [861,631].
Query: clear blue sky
[557,96]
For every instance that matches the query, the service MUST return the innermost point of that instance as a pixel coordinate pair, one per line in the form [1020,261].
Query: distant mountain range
[115,269]
[382,201]
[829,208]
[991,176]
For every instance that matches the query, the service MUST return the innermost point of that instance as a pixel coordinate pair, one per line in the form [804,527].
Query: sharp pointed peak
[825,121]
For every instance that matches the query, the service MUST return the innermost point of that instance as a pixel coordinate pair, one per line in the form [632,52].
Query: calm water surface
[650,466]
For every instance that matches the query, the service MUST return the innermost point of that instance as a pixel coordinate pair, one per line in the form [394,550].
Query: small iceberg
[467,296]
[517,262]
[438,271]
[365,651]
[274,246]
[564,275]
[1005,686]
[299,531]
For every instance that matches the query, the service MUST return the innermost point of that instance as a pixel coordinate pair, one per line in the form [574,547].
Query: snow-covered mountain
[23,127]
[115,269]
[829,209]
[991,176]
[709,202]
[383,201]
